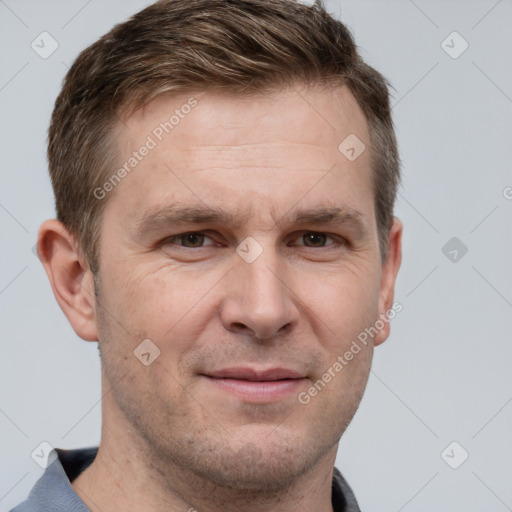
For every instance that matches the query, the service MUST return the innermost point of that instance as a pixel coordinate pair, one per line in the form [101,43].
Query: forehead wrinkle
[273,143]
[257,167]
[279,155]
[262,149]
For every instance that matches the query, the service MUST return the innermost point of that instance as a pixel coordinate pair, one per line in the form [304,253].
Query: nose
[259,300]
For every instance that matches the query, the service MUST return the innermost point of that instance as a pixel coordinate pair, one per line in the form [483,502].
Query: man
[225,174]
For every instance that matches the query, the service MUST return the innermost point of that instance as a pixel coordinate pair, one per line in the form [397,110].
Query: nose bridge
[264,282]
[258,298]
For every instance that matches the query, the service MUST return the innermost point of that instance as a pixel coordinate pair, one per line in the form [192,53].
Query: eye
[314,239]
[192,240]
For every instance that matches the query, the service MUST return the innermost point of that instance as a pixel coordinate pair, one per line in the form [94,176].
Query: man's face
[254,308]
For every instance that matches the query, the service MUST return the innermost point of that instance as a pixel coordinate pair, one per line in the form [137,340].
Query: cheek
[344,305]
[166,305]
[352,307]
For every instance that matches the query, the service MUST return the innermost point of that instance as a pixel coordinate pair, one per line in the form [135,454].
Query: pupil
[194,239]
[315,238]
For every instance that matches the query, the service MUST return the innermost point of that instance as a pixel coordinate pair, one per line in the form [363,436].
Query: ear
[70,277]
[388,277]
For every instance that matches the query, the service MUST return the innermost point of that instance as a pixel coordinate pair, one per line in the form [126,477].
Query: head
[231,120]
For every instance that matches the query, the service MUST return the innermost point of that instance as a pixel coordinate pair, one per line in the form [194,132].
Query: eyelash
[337,240]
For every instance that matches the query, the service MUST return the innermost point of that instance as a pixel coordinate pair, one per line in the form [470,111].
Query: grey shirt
[53,491]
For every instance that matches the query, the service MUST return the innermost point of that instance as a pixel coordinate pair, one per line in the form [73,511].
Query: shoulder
[53,491]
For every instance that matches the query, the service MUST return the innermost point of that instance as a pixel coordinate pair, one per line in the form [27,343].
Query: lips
[258,386]
[254,375]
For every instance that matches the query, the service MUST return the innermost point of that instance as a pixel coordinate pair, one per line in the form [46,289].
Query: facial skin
[173,436]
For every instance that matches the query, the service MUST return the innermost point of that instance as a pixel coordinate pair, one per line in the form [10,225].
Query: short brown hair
[238,46]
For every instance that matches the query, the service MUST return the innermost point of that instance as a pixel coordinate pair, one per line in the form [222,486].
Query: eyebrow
[155,220]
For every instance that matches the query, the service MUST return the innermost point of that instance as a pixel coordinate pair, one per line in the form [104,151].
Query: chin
[266,465]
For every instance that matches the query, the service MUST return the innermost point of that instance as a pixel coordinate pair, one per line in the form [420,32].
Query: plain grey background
[443,375]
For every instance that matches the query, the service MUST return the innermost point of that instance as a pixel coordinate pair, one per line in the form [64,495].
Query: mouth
[259,386]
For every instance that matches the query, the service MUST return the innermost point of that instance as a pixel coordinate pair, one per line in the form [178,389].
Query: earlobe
[390,269]
[70,277]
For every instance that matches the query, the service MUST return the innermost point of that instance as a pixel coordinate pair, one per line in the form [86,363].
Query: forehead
[319,116]
[263,149]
